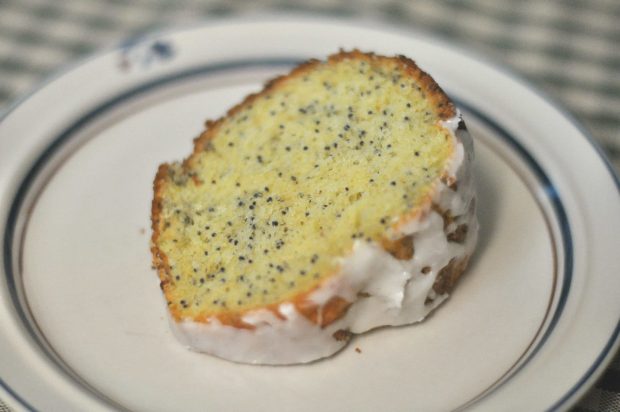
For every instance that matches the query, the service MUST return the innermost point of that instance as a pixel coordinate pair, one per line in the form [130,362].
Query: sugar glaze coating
[382,289]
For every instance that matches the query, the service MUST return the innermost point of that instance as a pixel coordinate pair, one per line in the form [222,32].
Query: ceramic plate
[82,323]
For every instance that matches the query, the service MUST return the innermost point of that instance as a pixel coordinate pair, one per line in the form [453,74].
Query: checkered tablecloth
[570,49]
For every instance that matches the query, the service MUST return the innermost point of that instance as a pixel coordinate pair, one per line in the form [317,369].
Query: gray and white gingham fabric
[569,49]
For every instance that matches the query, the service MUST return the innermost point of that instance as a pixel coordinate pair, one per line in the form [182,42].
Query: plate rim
[612,344]
[375,22]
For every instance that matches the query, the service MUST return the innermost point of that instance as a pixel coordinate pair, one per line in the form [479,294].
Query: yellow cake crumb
[281,187]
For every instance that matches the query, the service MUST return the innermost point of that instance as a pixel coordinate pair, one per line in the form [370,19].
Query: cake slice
[337,200]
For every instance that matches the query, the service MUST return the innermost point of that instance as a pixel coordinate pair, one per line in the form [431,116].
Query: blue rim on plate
[70,131]
[542,177]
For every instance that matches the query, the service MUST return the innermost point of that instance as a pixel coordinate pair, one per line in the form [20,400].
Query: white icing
[383,290]
[273,341]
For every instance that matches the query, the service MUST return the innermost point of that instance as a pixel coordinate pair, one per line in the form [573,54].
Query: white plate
[82,323]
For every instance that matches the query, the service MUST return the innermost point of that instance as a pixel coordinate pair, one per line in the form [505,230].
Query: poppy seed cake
[337,200]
